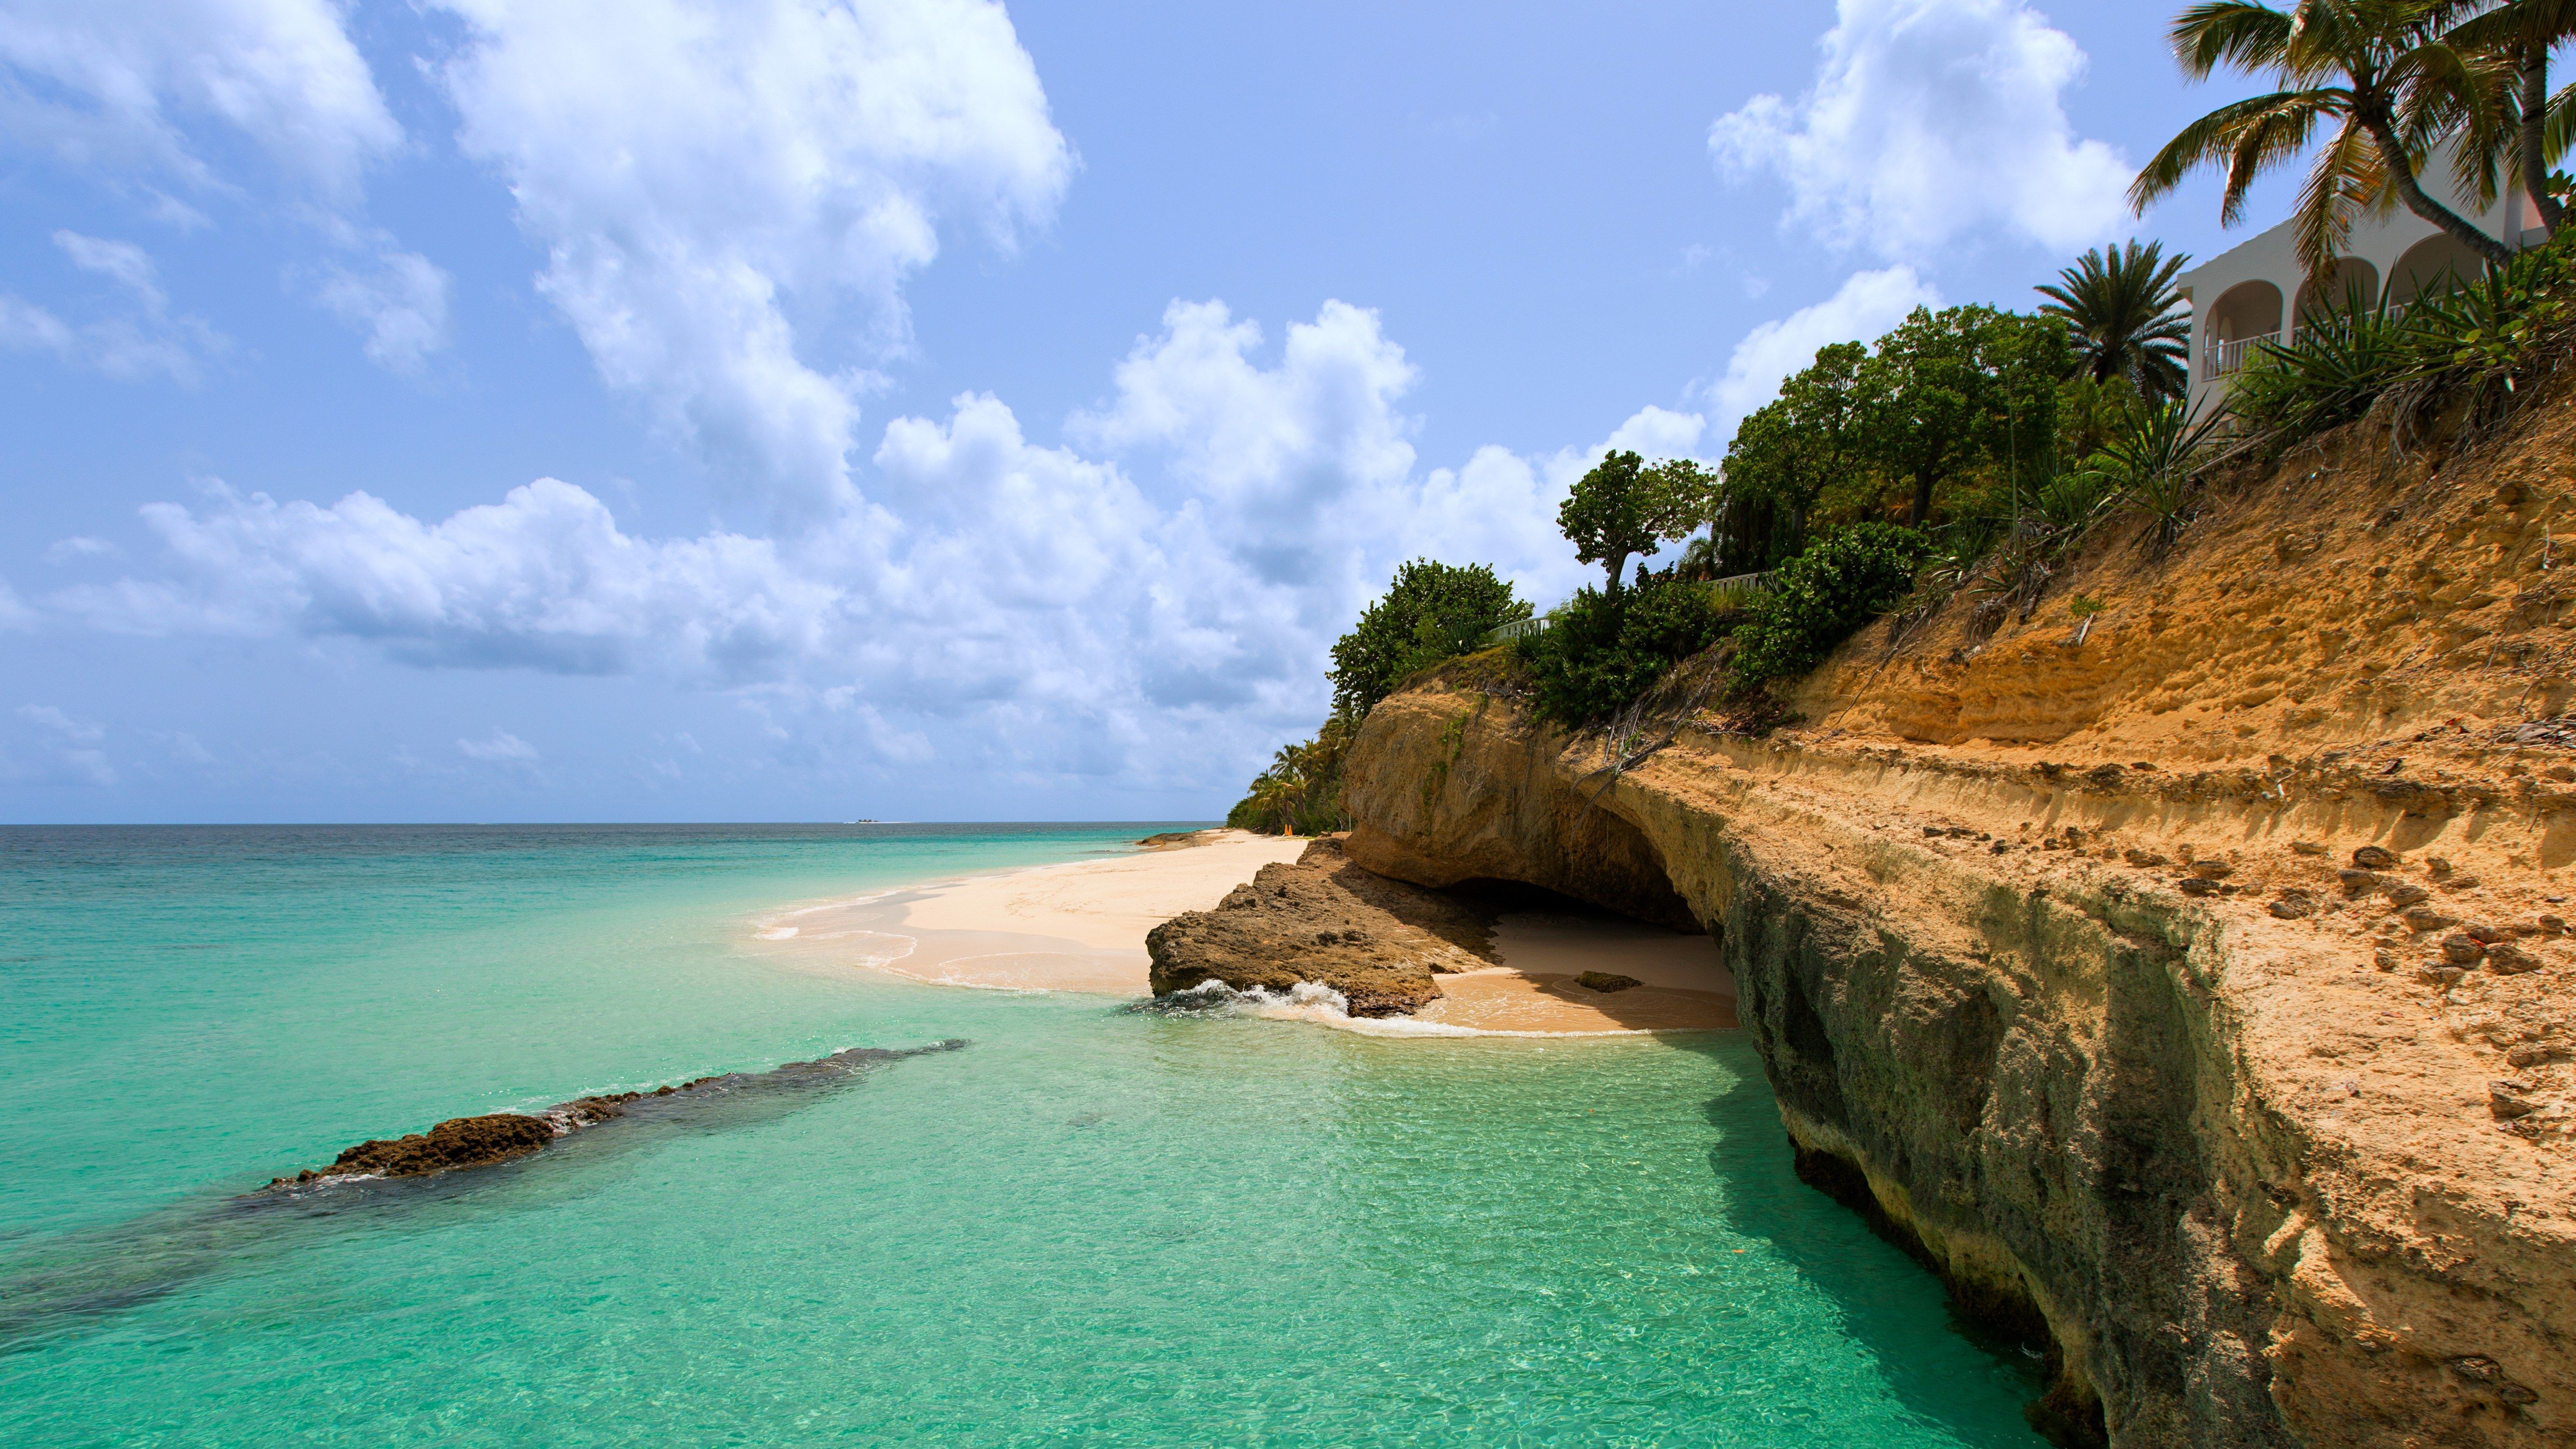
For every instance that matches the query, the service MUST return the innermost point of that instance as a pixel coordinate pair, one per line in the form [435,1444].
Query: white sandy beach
[1074,927]
[1082,926]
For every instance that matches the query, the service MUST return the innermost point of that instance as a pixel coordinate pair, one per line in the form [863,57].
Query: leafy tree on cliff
[1820,597]
[1624,509]
[1601,651]
[1957,392]
[1783,458]
[1430,612]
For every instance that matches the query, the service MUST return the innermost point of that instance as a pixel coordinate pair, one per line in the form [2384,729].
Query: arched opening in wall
[2437,264]
[2243,315]
[2351,285]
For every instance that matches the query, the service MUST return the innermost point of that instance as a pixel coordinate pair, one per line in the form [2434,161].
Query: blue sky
[809,409]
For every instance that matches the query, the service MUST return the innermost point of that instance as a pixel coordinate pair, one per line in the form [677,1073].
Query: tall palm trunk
[2401,175]
[2535,127]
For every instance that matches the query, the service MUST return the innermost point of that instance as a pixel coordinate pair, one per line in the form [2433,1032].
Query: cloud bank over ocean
[728,208]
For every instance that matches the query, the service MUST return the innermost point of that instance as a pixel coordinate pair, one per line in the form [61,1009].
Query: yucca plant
[2153,468]
[2340,362]
[2072,502]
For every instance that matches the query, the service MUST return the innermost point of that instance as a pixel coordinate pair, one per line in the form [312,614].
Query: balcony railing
[2224,356]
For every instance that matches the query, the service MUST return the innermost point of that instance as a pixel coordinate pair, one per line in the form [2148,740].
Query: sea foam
[1321,1005]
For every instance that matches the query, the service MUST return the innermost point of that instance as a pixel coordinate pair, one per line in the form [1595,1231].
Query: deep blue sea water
[1091,1225]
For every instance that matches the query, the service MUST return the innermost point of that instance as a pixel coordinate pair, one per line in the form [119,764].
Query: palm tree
[2377,67]
[2516,37]
[2126,315]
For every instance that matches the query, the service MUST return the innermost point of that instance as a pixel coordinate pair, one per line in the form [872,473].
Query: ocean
[1091,1224]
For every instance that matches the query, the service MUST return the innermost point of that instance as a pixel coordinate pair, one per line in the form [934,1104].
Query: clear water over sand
[1092,1224]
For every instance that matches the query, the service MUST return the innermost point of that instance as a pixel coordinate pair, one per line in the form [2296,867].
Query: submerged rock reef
[496,1137]
[2189,985]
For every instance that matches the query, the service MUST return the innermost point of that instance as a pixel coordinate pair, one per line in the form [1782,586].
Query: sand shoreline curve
[1080,926]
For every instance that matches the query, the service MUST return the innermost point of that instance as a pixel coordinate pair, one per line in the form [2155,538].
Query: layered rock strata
[2185,977]
[1323,920]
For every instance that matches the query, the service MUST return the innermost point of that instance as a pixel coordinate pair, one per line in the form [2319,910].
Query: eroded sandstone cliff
[2189,983]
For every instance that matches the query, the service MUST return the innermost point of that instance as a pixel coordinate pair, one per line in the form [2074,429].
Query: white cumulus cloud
[1930,120]
[399,304]
[114,85]
[142,95]
[1151,602]
[138,338]
[1865,307]
[713,182]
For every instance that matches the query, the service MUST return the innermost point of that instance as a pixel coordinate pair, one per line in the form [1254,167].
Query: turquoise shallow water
[1090,1225]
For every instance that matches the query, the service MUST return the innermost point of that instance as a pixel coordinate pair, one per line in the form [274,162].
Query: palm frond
[2235,33]
[2346,176]
[2271,140]
[2213,139]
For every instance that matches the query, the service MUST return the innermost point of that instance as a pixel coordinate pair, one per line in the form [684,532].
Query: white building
[2257,290]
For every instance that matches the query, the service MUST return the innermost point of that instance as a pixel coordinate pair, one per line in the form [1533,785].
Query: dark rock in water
[1606,981]
[1173,839]
[1322,920]
[501,1136]
[456,1142]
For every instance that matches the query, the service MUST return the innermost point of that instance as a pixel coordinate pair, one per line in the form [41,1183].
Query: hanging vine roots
[1652,710]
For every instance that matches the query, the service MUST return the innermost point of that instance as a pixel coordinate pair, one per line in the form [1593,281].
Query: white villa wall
[2384,258]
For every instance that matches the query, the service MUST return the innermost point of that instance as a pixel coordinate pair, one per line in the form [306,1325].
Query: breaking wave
[1321,1005]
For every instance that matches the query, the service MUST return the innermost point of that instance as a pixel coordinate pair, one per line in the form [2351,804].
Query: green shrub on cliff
[1601,651]
[1430,612]
[1820,597]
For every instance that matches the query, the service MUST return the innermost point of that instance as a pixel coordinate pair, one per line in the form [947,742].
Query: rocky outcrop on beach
[2189,986]
[1323,920]
[496,1137]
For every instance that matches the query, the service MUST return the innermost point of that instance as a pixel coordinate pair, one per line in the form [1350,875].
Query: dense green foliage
[1623,509]
[1967,389]
[2481,341]
[1301,792]
[1820,597]
[1950,405]
[1430,612]
[1601,650]
[1785,455]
